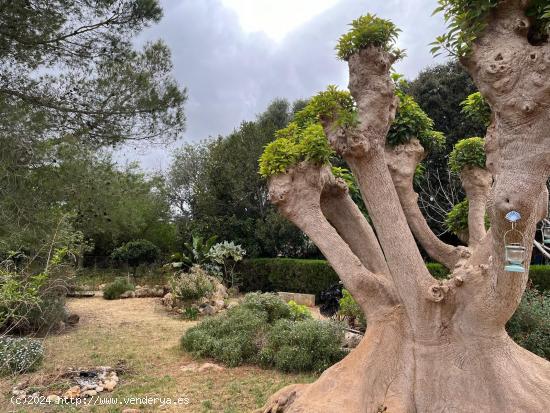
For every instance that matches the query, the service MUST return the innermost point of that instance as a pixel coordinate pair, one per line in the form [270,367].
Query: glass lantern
[515,257]
[545,230]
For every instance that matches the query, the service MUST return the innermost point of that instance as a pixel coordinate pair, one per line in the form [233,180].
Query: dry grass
[140,333]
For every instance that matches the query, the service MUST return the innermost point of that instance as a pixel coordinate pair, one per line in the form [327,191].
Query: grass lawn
[141,335]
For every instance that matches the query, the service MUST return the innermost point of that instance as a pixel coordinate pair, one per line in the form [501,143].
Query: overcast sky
[236,56]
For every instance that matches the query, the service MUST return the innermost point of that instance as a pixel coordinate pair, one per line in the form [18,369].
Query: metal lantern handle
[510,231]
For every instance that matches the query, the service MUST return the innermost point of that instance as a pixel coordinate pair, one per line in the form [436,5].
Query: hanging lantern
[545,230]
[514,252]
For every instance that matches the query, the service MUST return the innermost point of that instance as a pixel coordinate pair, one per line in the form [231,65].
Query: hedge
[314,276]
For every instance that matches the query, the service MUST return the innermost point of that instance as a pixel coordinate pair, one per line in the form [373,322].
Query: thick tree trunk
[432,346]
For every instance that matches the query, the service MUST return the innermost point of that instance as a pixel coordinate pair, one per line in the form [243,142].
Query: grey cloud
[232,75]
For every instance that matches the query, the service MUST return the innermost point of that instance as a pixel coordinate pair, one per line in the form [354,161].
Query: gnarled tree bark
[431,346]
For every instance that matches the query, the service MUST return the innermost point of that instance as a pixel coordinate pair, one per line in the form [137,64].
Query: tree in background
[430,345]
[70,78]
[136,253]
[216,190]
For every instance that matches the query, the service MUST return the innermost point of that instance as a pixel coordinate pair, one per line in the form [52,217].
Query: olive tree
[430,345]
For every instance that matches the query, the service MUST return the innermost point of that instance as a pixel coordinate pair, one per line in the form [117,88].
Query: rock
[209,366]
[352,340]
[221,291]
[72,319]
[218,305]
[17,392]
[53,398]
[207,309]
[127,294]
[130,411]
[109,385]
[101,286]
[99,389]
[72,393]
[168,300]
[89,393]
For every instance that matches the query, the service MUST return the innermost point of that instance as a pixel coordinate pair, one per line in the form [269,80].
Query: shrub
[232,338]
[262,330]
[437,270]
[192,285]
[307,345]
[136,253]
[540,277]
[529,325]
[226,255]
[468,152]
[298,311]
[20,355]
[287,274]
[457,218]
[271,304]
[118,287]
[351,310]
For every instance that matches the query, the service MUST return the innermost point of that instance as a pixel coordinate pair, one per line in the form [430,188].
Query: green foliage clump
[118,287]
[467,19]
[261,330]
[529,325]
[20,355]
[298,311]
[540,277]
[271,304]
[307,345]
[412,122]
[350,310]
[294,145]
[476,108]
[437,270]
[136,253]
[468,153]
[191,286]
[196,253]
[330,105]
[232,338]
[457,218]
[368,31]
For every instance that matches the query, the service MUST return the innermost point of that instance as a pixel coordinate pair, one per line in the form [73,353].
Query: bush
[529,326]
[437,270]
[287,274]
[192,285]
[540,277]
[307,345]
[351,310]
[232,338]
[253,332]
[298,312]
[136,253]
[115,289]
[20,355]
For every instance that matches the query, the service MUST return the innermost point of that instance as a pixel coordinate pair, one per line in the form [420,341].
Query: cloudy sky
[236,56]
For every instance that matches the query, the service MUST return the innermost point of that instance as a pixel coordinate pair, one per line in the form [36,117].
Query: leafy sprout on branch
[369,31]
[468,153]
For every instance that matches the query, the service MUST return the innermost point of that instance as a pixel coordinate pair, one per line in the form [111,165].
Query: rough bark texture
[431,346]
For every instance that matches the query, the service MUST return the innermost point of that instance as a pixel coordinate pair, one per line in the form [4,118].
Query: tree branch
[476,182]
[347,219]
[402,161]
[297,195]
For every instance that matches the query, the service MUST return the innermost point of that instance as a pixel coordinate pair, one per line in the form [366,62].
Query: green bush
[20,355]
[233,337]
[287,274]
[437,270]
[468,152]
[529,327]
[118,287]
[254,332]
[540,277]
[350,310]
[192,285]
[136,253]
[298,311]
[307,345]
